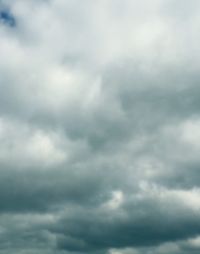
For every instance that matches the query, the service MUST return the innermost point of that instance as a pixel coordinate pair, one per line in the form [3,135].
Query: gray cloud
[99,127]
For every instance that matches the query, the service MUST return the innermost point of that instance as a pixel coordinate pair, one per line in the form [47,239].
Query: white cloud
[21,144]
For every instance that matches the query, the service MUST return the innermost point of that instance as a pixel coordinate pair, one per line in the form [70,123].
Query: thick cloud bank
[99,127]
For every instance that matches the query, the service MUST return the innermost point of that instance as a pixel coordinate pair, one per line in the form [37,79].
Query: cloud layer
[99,127]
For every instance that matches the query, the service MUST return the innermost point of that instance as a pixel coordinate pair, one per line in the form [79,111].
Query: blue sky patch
[7,18]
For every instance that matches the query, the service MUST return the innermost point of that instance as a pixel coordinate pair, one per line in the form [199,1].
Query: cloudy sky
[99,127]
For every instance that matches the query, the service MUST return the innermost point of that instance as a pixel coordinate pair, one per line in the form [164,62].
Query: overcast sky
[99,127]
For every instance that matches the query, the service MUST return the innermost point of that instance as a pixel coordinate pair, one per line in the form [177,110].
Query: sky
[99,127]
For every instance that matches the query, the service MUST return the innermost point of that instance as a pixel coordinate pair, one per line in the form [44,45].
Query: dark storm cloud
[145,222]
[23,191]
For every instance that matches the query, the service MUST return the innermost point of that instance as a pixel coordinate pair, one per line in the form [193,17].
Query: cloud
[99,127]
